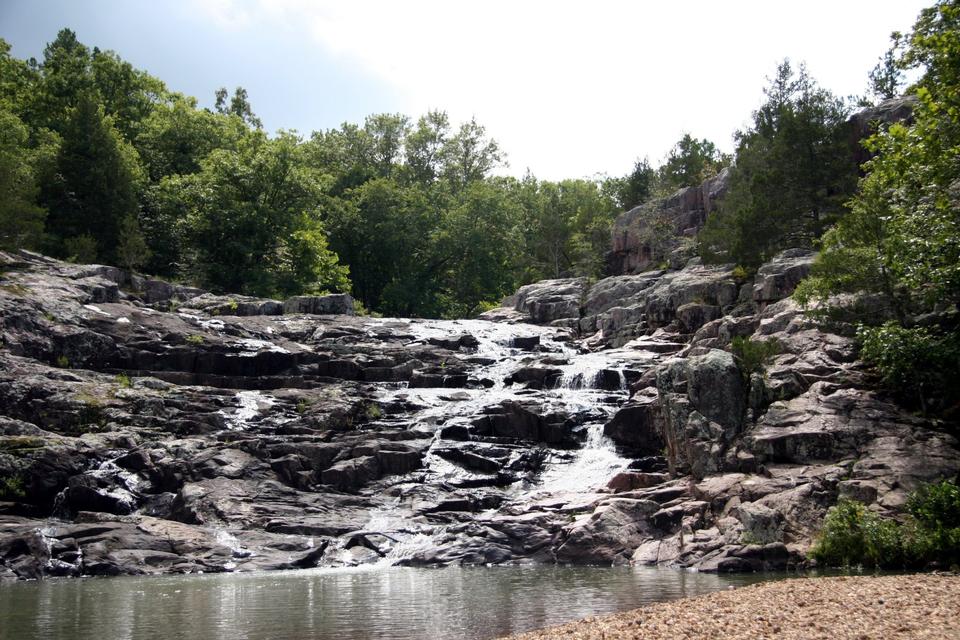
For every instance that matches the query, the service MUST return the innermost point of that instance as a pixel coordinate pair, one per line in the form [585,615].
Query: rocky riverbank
[842,608]
[147,427]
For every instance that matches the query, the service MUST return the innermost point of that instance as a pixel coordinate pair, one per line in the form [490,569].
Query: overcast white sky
[569,89]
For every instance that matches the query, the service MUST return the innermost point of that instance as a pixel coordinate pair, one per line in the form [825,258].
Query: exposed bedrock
[150,428]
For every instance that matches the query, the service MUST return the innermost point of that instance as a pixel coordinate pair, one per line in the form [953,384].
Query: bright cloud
[572,89]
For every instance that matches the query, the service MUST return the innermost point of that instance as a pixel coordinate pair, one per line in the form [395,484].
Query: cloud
[571,89]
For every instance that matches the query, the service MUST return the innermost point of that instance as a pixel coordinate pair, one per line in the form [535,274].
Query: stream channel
[380,588]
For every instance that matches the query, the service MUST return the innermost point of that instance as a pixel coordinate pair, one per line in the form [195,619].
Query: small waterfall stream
[579,390]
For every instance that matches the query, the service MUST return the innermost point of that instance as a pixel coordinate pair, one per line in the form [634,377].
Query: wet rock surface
[153,428]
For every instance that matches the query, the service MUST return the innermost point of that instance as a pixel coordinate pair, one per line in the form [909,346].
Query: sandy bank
[910,606]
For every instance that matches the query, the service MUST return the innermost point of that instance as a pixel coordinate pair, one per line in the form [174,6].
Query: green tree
[252,220]
[636,187]
[478,246]
[385,233]
[238,105]
[21,218]
[97,184]
[470,156]
[176,136]
[132,250]
[900,239]
[424,147]
[690,162]
[18,82]
[793,172]
[886,79]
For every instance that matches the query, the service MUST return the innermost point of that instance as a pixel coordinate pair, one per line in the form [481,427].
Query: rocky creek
[151,428]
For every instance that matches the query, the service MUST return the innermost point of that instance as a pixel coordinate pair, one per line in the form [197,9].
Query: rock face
[778,278]
[684,213]
[152,428]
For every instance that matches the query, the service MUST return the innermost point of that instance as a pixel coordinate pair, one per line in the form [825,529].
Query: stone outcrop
[684,213]
[157,429]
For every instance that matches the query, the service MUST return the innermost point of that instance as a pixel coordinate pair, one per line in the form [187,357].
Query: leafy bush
[753,355]
[854,535]
[123,380]
[934,529]
[11,487]
[195,339]
[919,364]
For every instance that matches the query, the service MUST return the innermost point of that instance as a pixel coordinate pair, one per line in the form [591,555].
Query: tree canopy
[792,174]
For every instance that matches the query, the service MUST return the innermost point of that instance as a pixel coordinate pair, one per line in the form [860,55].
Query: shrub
[195,339]
[933,534]
[123,380]
[919,364]
[11,487]
[854,535]
[753,355]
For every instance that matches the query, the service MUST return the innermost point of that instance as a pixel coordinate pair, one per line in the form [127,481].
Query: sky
[569,89]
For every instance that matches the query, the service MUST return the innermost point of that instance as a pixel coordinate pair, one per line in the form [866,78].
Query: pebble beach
[835,608]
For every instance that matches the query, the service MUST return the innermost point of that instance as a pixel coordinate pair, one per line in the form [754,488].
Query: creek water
[383,600]
[346,604]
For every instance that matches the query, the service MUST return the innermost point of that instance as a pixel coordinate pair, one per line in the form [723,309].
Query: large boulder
[778,278]
[637,426]
[550,300]
[704,402]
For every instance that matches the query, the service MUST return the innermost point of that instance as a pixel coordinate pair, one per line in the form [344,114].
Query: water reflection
[394,603]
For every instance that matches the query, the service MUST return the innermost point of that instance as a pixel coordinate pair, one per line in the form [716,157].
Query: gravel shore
[861,607]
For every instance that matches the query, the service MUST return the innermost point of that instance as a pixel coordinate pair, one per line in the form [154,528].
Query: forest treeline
[101,162]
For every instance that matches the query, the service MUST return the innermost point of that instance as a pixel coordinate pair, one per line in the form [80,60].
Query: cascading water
[577,392]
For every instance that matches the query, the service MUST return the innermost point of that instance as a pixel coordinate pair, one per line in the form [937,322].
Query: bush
[753,355]
[934,530]
[854,535]
[919,364]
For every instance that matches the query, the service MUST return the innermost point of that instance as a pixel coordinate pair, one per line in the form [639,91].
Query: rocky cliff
[147,427]
[662,232]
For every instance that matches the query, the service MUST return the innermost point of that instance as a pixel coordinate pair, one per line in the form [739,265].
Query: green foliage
[690,162]
[886,79]
[12,488]
[252,222]
[123,381]
[636,187]
[80,249]
[132,249]
[793,171]
[63,362]
[919,364]
[753,355]
[21,166]
[239,106]
[899,241]
[195,339]
[98,178]
[854,535]
[740,273]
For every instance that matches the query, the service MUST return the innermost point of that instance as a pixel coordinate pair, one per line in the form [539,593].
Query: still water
[349,604]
